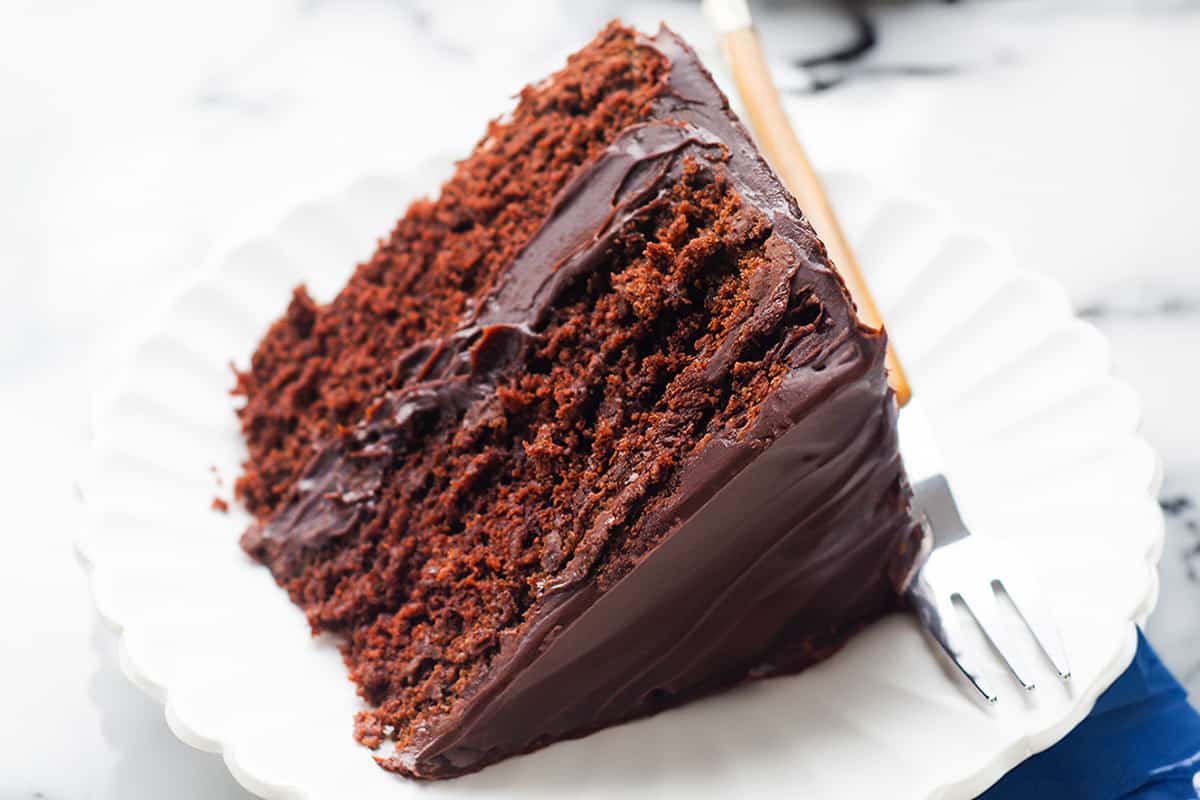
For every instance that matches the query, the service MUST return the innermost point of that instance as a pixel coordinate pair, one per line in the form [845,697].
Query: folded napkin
[1141,741]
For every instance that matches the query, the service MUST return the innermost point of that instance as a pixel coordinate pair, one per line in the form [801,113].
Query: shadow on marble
[151,763]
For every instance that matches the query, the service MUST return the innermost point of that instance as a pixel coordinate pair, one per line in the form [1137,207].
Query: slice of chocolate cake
[593,433]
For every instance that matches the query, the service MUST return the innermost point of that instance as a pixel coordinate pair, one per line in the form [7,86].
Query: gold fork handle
[778,141]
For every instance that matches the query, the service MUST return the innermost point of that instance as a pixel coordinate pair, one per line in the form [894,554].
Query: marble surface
[138,135]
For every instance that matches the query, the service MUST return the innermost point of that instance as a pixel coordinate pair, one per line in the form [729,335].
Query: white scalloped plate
[1042,443]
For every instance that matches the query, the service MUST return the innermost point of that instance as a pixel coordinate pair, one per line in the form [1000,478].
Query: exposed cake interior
[632,372]
[320,366]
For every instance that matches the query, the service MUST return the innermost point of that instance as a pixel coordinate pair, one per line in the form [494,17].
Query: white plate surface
[1042,444]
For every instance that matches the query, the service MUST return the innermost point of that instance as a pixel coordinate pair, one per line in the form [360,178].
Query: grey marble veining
[137,135]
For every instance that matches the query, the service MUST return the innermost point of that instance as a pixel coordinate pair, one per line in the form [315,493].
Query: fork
[959,565]
[971,568]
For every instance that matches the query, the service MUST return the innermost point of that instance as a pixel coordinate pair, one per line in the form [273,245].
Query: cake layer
[651,454]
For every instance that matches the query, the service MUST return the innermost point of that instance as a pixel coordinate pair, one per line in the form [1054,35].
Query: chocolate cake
[593,433]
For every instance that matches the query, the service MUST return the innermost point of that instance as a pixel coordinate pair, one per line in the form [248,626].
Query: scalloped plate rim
[150,324]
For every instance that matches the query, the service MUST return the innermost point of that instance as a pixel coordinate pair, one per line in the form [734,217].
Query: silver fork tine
[936,612]
[1027,599]
[970,567]
[981,602]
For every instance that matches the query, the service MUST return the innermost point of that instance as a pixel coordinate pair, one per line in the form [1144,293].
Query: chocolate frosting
[775,545]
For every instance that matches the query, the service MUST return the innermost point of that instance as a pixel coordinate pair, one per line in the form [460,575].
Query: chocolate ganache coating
[773,548]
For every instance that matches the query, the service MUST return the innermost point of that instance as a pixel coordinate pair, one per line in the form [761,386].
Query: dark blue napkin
[1141,741]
